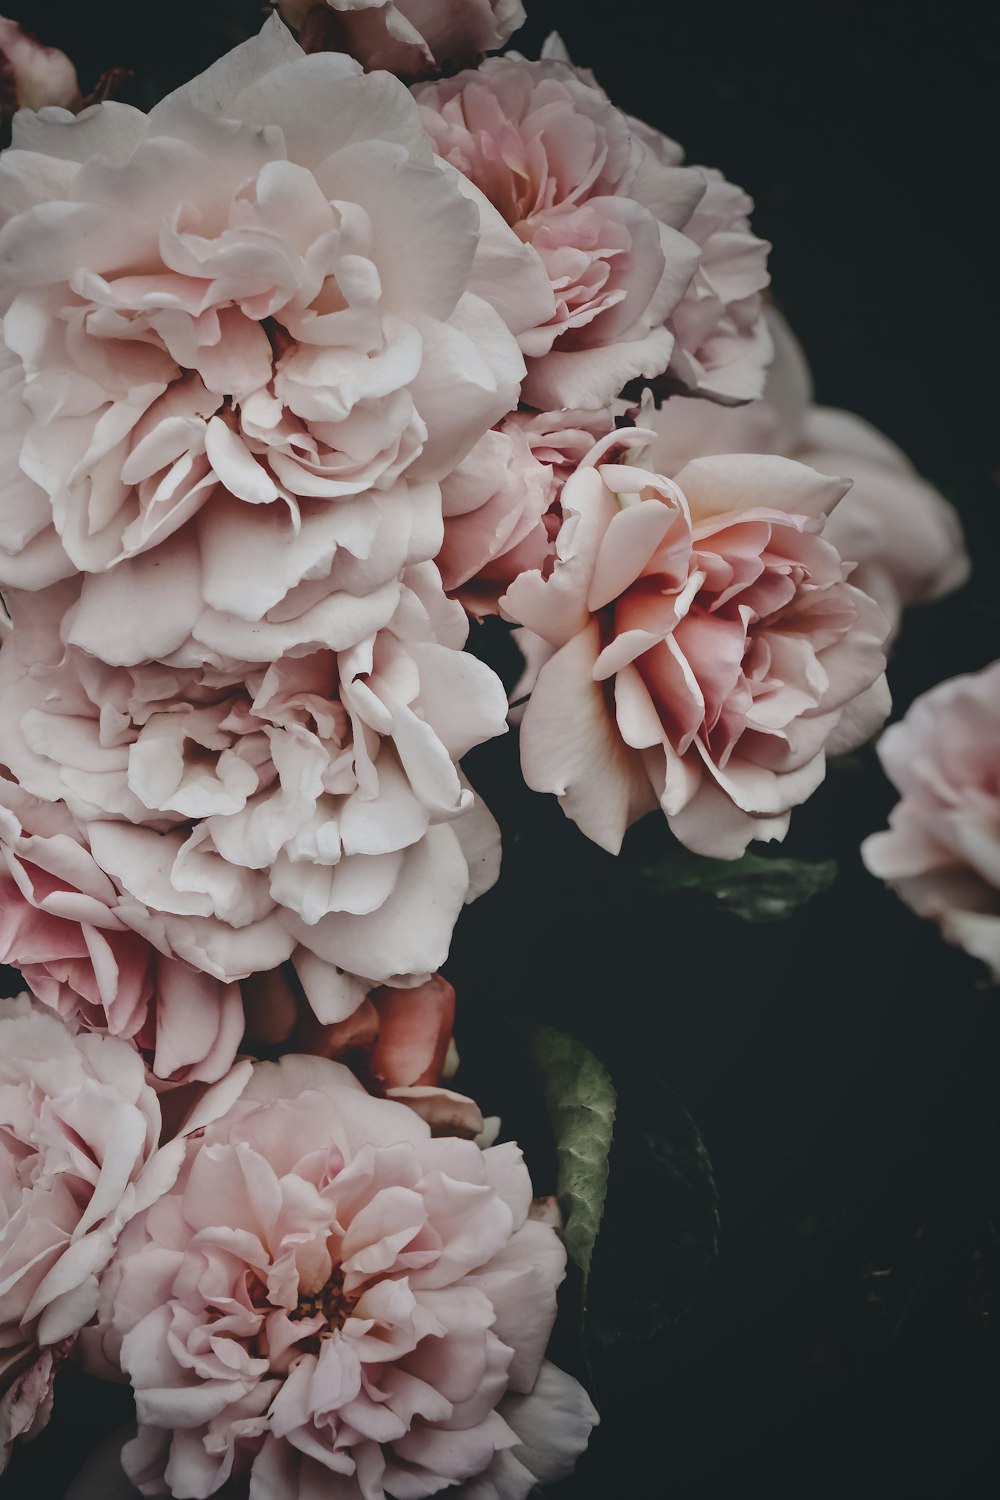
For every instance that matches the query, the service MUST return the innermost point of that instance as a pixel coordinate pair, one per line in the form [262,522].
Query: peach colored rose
[33,75]
[941,851]
[905,539]
[501,505]
[263,329]
[697,648]
[412,38]
[80,1155]
[311,808]
[602,211]
[61,925]
[331,1302]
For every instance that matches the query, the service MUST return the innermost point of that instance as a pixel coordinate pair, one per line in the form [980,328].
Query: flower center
[331,1302]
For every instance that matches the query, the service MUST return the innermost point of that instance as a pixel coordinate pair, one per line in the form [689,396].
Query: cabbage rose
[330,1302]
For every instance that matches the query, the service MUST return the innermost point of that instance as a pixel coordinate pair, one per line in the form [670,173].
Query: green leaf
[754,887]
[661,1223]
[580,1099]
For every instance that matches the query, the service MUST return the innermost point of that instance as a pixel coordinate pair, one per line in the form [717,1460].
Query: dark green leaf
[580,1099]
[754,887]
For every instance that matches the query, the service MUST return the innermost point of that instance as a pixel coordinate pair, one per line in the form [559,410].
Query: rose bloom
[398,1042]
[501,504]
[62,926]
[33,75]
[412,38]
[601,209]
[697,648]
[330,1302]
[941,851]
[243,338]
[904,538]
[309,809]
[80,1154]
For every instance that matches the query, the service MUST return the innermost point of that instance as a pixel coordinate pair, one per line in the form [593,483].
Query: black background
[842,1068]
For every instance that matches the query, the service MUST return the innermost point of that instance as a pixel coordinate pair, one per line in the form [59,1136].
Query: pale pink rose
[33,75]
[266,326]
[501,504]
[411,38]
[941,851]
[309,809]
[602,211]
[905,539]
[80,1154]
[331,1302]
[61,925]
[697,648]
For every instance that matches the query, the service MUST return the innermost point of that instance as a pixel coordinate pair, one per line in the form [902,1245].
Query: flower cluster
[304,372]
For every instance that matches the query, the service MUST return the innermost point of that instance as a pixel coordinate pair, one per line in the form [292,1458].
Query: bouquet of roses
[366,396]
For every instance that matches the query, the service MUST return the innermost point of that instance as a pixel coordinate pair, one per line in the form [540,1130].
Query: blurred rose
[412,38]
[31,75]
[330,1301]
[266,327]
[941,851]
[904,537]
[697,648]
[80,1155]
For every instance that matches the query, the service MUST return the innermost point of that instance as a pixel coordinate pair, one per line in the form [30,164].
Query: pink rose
[311,808]
[32,75]
[501,504]
[62,926]
[697,648]
[257,419]
[80,1155]
[602,211]
[905,539]
[330,1301]
[412,38]
[941,851]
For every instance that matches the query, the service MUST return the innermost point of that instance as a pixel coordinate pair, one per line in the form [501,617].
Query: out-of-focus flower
[905,539]
[310,809]
[501,505]
[80,1154]
[243,338]
[411,38]
[697,648]
[33,75]
[331,1302]
[602,210]
[941,851]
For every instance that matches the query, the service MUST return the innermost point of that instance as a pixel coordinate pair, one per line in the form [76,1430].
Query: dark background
[842,1068]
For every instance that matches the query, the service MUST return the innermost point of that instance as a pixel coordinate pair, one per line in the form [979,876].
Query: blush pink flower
[601,209]
[411,38]
[697,648]
[33,75]
[941,851]
[311,808]
[80,1154]
[243,338]
[61,925]
[904,538]
[501,504]
[329,1301]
